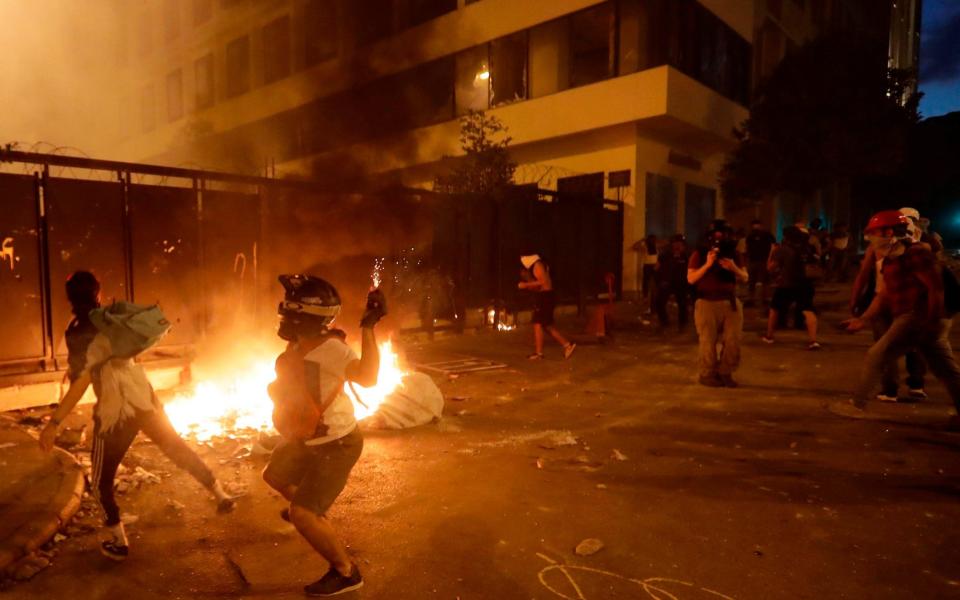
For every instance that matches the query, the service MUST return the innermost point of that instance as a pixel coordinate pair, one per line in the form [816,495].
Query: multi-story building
[636,99]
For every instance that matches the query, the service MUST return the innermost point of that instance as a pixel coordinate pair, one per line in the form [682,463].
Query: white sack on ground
[416,401]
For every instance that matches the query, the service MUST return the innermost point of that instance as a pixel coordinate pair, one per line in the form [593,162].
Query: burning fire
[501,326]
[220,406]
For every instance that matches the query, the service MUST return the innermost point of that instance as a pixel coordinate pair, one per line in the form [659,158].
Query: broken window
[591,45]
[276,49]
[508,69]
[174,95]
[148,109]
[238,66]
[320,31]
[472,79]
[203,81]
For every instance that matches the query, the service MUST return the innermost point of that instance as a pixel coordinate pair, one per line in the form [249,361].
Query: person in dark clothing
[913,296]
[759,243]
[714,269]
[647,255]
[672,281]
[787,265]
[541,284]
[126,405]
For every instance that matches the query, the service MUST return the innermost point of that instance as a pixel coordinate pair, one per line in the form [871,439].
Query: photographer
[714,270]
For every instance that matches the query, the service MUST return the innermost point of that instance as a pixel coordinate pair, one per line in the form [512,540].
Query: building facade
[636,99]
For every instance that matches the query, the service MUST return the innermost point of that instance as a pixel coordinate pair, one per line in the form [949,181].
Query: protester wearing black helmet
[321,444]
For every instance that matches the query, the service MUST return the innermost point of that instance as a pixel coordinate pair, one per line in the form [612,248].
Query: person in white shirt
[311,467]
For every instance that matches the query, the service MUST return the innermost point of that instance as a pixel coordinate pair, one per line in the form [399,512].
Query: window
[422,11]
[699,208]
[202,11]
[661,206]
[472,80]
[276,49]
[508,69]
[374,21]
[203,81]
[171,20]
[175,95]
[148,109]
[321,31]
[591,45]
[238,66]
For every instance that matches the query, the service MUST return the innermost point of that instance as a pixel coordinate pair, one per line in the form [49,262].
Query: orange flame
[239,403]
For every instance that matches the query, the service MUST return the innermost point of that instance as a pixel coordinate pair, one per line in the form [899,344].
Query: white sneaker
[917,394]
[886,398]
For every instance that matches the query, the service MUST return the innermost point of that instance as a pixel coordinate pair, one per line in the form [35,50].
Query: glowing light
[376,276]
[238,403]
[484,74]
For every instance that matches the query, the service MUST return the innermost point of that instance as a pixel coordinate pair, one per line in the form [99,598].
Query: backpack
[131,328]
[297,409]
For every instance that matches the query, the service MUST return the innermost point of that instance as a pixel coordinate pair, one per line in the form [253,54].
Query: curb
[65,503]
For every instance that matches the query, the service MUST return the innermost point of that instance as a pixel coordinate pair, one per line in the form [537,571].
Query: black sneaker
[114,550]
[728,381]
[711,381]
[334,583]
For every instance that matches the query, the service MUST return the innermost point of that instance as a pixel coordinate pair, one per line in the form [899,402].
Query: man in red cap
[912,295]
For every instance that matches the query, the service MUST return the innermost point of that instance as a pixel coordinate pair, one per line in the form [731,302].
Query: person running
[913,295]
[321,441]
[672,281]
[101,351]
[792,286]
[540,283]
[758,244]
[714,270]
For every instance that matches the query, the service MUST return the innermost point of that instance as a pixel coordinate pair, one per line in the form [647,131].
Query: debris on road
[617,455]
[588,547]
[27,567]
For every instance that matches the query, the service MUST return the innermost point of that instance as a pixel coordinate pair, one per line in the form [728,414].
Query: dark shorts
[543,305]
[783,297]
[319,472]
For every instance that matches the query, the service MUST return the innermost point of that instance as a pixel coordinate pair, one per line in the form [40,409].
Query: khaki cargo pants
[718,321]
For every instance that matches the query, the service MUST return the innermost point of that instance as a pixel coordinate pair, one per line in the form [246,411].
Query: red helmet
[893,219]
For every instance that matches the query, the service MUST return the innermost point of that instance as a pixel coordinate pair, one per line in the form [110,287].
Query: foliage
[828,113]
[486,168]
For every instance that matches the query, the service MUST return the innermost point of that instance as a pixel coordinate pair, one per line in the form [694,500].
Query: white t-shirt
[332,357]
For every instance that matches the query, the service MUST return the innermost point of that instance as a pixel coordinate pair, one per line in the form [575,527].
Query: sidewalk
[38,493]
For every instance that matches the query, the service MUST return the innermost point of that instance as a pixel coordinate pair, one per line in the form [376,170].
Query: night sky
[940,57]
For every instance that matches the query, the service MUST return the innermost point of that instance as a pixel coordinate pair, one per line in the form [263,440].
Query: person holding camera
[714,270]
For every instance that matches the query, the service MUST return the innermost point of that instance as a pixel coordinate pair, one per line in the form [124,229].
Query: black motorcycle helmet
[309,306]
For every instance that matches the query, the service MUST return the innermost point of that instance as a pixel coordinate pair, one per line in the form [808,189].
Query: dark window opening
[203,80]
[202,11]
[238,66]
[661,206]
[422,11]
[175,95]
[508,69]
[320,31]
[276,49]
[591,45]
[375,21]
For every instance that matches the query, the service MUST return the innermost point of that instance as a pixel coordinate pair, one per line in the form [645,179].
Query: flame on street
[239,403]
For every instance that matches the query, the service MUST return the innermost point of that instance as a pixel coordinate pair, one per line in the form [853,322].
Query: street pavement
[694,492]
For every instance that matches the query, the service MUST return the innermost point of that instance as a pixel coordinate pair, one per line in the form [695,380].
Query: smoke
[58,65]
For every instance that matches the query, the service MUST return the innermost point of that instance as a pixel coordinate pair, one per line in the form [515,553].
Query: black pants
[663,295]
[110,447]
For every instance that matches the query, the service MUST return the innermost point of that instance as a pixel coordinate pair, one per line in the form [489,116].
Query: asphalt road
[696,493]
